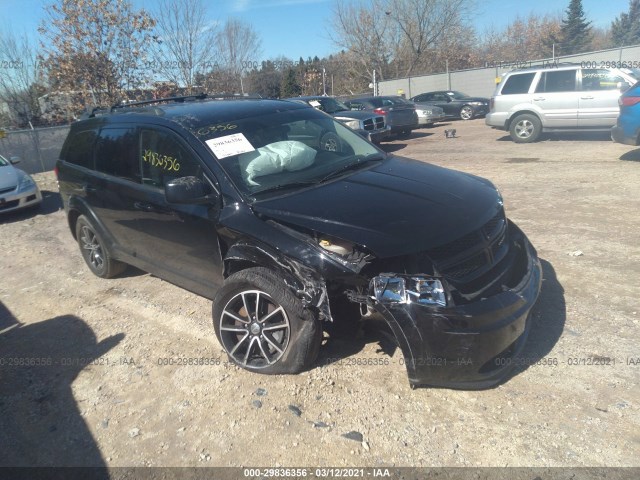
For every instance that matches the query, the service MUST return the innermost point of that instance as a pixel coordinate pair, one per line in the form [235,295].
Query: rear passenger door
[599,95]
[179,242]
[556,98]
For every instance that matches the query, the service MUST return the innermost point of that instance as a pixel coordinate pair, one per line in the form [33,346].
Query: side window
[557,81]
[79,149]
[599,79]
[164,158]
[116,153]
[440,97]
[518,83]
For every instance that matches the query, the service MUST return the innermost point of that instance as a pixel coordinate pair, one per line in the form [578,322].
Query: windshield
[457,95]
[4,162]
[329,105]
[285,150]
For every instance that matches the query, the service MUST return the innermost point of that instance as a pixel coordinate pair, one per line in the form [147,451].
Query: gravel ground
[84,378]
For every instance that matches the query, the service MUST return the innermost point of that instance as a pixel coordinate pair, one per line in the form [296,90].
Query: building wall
[482,81]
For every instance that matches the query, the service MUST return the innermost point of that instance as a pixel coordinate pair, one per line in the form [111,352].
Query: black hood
[401,206]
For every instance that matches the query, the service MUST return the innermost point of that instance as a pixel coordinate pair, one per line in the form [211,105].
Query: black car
[240,202]
[400,115]
[370,125]
[455,104]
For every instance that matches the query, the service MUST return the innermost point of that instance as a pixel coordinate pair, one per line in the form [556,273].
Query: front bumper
[429,119]
[376,136]
[16,201]
[468,346]
[618,135]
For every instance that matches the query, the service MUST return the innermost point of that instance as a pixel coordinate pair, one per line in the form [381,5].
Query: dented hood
[399,207]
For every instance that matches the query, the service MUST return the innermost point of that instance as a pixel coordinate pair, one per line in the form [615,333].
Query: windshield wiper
[284,186]
[353,166]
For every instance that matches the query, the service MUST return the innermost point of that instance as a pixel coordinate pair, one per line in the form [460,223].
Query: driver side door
[177,242]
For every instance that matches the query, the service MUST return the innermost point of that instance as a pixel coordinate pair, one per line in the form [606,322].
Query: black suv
[238,201]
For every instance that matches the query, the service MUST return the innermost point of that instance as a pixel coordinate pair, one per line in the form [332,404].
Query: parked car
[564,97]
[400,115]
[428,114]
[240,201]
[371,126]
[17,189]
[627,127]
[455,104]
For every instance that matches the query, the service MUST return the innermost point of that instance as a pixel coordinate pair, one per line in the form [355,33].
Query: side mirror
[189,190]
[624,86]
[15,160]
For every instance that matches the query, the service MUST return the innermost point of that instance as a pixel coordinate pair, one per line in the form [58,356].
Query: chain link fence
[38,148]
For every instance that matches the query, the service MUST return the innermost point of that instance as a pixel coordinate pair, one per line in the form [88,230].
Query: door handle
[539,99]
[148,207]
[145,207]
[586,98]
[89,189]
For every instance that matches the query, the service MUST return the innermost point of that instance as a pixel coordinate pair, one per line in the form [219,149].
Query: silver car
[17,188]
[557,97]
[429,114]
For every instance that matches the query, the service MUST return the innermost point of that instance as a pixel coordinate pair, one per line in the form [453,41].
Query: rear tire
[262,326]
[95,252]
[525,128]
[404,134]
[466,112]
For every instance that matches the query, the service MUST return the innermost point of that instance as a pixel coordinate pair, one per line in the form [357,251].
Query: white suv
[558,97]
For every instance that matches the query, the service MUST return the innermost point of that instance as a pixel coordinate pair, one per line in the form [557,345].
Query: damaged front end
[451,340]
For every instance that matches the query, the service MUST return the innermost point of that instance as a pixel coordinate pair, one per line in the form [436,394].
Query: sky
[301,28]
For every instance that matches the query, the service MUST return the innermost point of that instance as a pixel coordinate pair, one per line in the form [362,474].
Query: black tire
[467,112]
[94,251]
[525,128]
[404,134]
[331,142]
[280,337]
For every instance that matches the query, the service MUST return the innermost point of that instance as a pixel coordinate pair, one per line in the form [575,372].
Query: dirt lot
[93,391]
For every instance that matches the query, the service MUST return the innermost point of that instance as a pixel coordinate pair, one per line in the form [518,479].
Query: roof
[199,112]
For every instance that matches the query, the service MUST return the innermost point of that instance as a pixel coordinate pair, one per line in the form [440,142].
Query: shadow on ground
[631,156]
[41,424]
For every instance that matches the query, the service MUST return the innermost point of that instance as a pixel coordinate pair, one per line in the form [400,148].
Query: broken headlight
[409,289]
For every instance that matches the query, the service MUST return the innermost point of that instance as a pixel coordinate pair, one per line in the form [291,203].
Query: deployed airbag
[287,155]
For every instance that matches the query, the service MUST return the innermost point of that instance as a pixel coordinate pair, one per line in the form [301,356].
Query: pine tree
[290,86]
[575,30]
[625,29]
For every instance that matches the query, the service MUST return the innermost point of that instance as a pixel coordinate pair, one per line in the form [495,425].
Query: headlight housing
[350,122]
[421,289]
[26,183]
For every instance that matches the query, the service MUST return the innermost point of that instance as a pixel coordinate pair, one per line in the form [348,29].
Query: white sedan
[17,188]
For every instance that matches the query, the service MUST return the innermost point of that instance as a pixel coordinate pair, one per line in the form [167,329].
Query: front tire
[262,326]
[525,128]
[330,142]
[94,251]
[466,112]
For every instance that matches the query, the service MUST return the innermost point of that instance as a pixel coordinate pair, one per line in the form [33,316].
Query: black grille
[6,190]
[474,253]
[11,204]
[375,123]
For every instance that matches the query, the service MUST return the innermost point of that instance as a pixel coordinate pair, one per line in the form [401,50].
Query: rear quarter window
[78,148]
[518,83]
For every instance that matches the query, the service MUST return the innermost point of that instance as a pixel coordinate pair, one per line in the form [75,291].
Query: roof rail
[181,99]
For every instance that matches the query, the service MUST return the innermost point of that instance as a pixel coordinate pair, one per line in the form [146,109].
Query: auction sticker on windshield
[230,145]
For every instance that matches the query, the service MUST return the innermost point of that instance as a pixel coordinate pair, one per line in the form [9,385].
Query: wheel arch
[507,124]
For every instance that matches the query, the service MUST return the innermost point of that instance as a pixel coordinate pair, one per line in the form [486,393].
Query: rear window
[518,83]
[116,153]
[79,148]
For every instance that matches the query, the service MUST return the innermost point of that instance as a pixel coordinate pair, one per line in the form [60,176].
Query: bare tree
[397,37]
[239,48]
[93,50]
[19,82]
[185,44]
